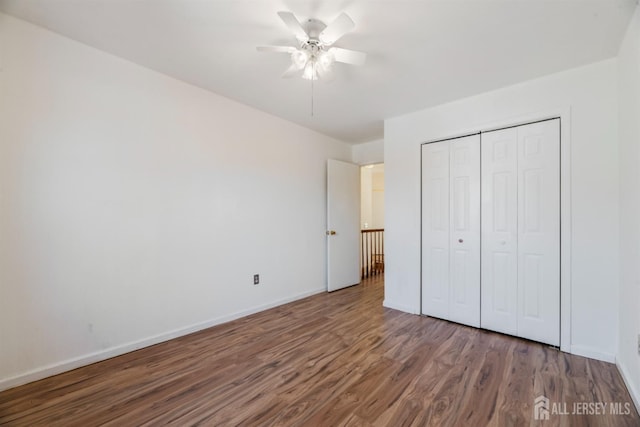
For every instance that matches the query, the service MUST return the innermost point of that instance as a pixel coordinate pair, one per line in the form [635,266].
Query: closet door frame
[564,114]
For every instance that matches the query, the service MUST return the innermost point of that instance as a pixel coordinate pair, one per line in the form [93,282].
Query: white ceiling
[421,53]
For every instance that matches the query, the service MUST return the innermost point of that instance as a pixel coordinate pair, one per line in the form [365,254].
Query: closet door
[451,230]
[539,232]
[500,231]
[521,231]
[464,238]
[435,229]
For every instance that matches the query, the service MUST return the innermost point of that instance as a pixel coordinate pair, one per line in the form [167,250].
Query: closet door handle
[460,240]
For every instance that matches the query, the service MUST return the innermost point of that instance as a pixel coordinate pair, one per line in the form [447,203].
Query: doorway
[372,220]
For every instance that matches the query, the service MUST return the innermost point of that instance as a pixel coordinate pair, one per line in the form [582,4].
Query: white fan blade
[338,28]
[348,56]
[290,21]
[291,72]
[277,49]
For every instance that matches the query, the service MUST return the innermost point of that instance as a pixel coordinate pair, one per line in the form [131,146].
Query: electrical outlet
[256,279]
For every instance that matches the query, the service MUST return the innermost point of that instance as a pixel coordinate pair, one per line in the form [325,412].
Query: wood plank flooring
[337,359]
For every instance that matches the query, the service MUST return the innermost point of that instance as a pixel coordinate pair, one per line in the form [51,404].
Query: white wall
[591,94]
[377,197]
[629,108]
[366,196]
[368,153]
[372,196]
[134,207]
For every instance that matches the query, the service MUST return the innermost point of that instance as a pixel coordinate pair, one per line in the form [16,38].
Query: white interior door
[464,236]
[539,231]
[499,231]
[435,229]
[343,224]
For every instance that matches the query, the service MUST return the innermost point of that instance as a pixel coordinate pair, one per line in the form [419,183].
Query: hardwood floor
[337,359]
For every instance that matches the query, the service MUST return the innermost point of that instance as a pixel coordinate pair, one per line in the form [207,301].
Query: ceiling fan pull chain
[313,65]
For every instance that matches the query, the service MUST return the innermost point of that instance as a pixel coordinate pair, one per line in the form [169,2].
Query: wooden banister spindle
[371,252]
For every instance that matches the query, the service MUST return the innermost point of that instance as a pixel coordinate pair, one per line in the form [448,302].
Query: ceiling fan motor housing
[313,28]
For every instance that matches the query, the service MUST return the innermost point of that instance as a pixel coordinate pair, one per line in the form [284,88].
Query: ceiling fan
[315,55]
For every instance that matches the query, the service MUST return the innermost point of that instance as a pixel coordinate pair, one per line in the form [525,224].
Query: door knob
[331,233]
[460,240]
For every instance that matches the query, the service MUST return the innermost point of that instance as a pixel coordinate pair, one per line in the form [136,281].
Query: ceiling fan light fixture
[310,72]
[299,58]
[315,55]
[325,59]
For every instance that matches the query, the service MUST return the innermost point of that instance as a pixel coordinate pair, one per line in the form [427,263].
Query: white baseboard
[401,307]
[87,359]
[593,354]
[633,391]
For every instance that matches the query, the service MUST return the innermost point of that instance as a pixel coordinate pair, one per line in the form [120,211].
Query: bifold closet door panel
[521,231]
[539,232]
[464,239]
[435,229]
[499,253]
[451,230]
